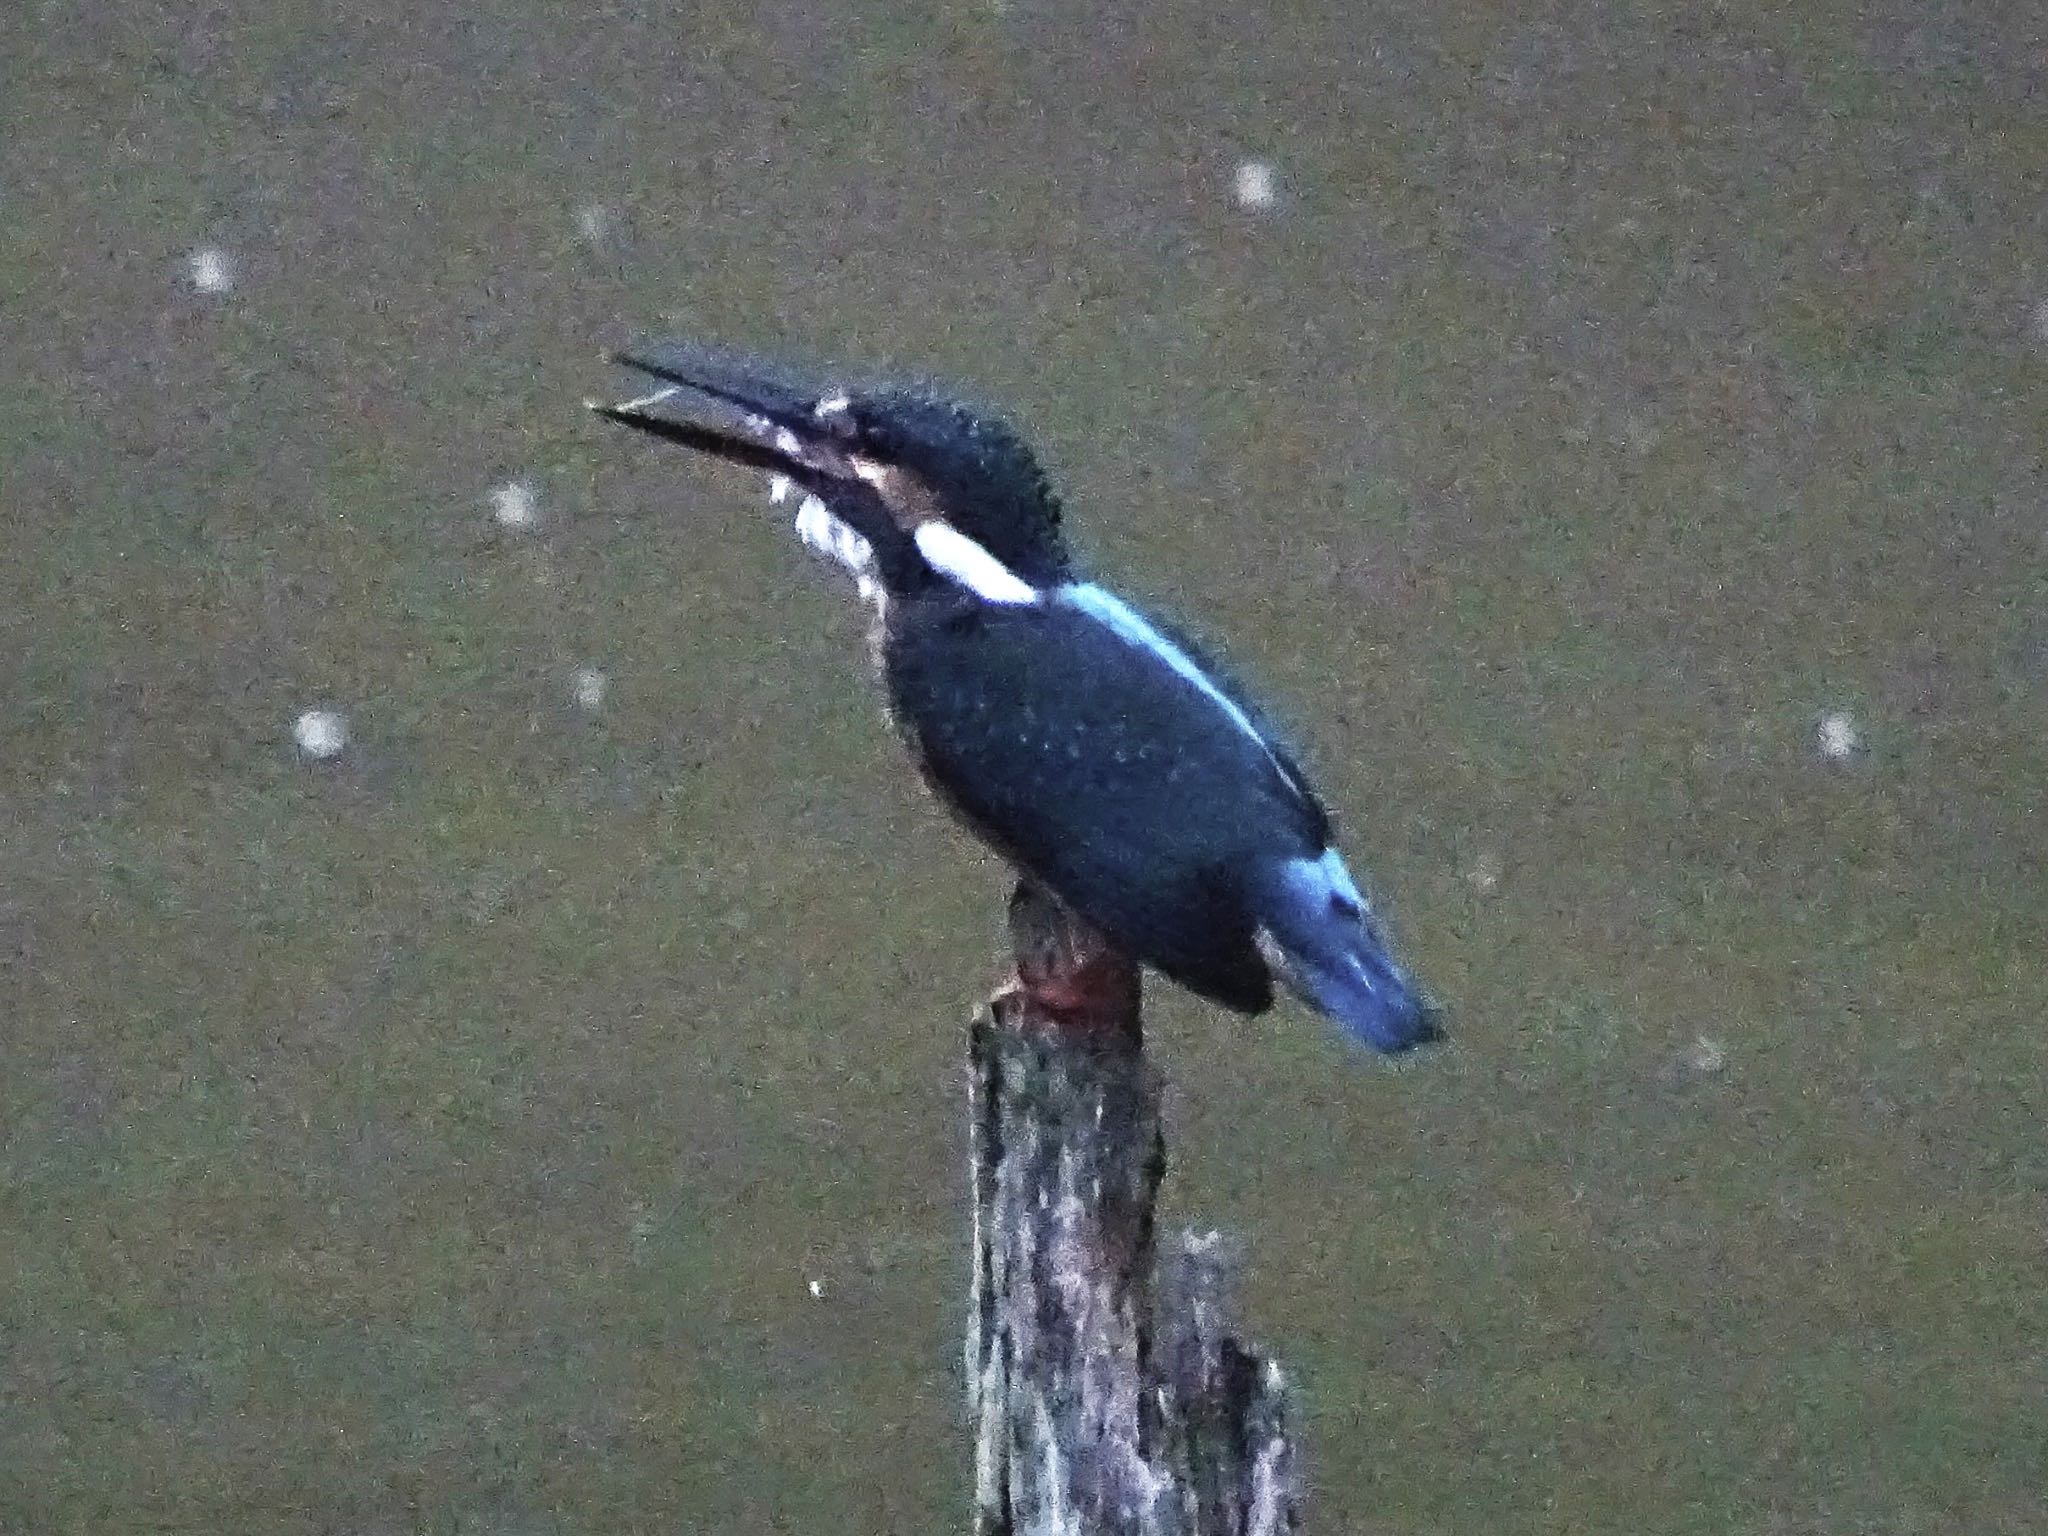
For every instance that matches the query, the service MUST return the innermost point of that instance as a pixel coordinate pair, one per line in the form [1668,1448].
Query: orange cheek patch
[909,500]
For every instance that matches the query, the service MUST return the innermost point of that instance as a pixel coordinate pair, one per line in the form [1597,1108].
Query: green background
[445,1139]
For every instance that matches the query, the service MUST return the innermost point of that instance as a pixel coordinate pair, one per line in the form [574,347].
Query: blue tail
[1327,950]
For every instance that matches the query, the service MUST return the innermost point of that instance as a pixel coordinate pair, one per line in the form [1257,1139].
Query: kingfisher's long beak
[745,411]
[737,408]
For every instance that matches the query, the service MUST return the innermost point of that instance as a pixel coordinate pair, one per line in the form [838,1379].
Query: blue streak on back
[1135,629]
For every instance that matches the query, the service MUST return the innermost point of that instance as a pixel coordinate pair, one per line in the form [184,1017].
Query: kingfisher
[1094,748]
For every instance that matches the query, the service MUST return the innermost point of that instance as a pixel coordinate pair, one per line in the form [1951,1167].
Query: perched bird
[1094,749]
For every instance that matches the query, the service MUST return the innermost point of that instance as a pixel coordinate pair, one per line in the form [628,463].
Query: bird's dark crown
[983,476]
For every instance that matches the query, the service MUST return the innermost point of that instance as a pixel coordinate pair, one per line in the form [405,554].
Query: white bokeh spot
[586,687]
[1255,185]
[210,270]
[321,733]
[515,504]
[1838,736]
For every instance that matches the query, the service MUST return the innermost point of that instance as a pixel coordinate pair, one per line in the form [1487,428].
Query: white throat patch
[945,548]
[830,537]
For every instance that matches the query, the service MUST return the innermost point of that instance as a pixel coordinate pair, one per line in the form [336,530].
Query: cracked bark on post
[1108,1392]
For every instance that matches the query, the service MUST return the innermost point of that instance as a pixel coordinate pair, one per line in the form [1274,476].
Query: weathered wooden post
[1108,1393]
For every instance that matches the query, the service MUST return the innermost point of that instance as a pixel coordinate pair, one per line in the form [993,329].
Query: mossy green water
[447,1137]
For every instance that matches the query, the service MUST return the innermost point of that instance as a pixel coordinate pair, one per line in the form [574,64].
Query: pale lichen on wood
[1107,1390]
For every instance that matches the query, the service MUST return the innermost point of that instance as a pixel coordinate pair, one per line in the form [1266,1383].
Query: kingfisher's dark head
[979,474]
[881,461]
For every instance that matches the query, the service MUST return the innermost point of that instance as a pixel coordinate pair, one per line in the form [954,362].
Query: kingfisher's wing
[1131,790]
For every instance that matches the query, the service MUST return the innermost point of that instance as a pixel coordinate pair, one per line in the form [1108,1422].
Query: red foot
[1097,992]
[1066,974]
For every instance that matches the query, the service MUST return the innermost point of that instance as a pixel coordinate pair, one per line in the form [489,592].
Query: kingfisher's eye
[836,415]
